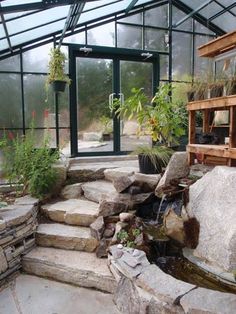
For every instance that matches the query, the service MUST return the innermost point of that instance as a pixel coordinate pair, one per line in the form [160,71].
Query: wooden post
[191,126]
[232,127]
[206,121]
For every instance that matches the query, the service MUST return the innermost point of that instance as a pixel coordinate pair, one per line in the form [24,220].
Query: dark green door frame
[115,54]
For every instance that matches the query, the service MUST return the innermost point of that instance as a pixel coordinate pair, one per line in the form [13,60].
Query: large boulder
[176,168]
[212,202]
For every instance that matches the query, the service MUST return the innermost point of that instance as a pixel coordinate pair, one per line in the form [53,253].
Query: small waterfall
[159,208]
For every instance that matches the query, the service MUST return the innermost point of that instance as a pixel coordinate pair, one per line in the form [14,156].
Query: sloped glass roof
[26,21]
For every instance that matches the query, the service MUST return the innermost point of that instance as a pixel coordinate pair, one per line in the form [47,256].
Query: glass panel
[4,44]
[75,39]
[157,16]
[10,64]
[2,32]
[37,106]
[177,16]
[202,65]
[182,55]
[155,40]
[133,19]
[164,67]
[228,26]
[138,75]
[201,28]
[103,35]
[10,101]
[36,60]
[129,36]
[94,85]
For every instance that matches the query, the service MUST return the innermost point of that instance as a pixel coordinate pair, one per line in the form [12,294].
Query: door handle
[122,98]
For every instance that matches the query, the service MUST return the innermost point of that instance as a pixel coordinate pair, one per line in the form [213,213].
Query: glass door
[94,119]
[100,74]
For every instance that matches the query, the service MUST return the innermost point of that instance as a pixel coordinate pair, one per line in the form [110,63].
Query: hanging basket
[58,86]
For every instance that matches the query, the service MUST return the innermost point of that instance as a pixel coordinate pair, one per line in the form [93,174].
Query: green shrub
[29,166]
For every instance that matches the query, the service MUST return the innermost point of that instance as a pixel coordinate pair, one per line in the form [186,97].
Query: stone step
[84,172]
[73,212]
[66,237]
[95,190]
[74,267]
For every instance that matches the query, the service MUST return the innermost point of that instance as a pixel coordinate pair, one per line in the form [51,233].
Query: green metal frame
[115,54]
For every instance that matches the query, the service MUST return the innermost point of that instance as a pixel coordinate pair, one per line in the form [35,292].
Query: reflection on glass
[94,85]
[129,36]
[138,75]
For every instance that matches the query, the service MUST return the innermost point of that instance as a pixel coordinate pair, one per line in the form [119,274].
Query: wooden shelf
[219,103]
[219,45]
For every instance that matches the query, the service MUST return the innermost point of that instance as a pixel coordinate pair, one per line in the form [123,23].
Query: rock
[148,182]
[126,217]
[123,182]
[176,168]
[199,170]
[2,225]
[72,191]
[174,226]
[142,198]
[61,171]
[97,228]
[212,203]
[108,208]
[101,250]
[109,230]
[96,190]
[92,136]
[26,200]
[3,262]
[208,301]
[120,225]
[111,174]
[17,214]
[168,288]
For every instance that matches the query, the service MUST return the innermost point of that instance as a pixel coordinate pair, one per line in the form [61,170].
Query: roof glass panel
[2,32]
[37,19]
[14,2]
[221,22]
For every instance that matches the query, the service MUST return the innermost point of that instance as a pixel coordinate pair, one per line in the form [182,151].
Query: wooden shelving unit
[214,154]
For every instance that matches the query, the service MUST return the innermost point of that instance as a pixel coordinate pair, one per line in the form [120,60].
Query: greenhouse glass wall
[112,47]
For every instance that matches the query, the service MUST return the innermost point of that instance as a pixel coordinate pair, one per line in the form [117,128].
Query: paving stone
[94,191]
[66,237]
[111,174]
[202,300]
[27,200]
[7,303]
[72,191]
[17,214]
[75,267]
[73,212]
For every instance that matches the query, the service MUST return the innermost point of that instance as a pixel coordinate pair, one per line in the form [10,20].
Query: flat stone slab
[33,295]
[111,174]
[14,215]
[208,301]
[73,212]
[75,267]
[96,190]
[66,237]
[72,191]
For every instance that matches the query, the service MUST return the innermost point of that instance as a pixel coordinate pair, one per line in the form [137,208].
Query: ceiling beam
[226,9]
[42,5]
[131,6]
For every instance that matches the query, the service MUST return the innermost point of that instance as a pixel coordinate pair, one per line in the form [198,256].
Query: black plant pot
[146,165]
[216,90]
[190,96]
[58,86]
[106,136]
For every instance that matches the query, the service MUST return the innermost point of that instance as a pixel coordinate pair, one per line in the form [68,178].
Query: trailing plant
[29,166]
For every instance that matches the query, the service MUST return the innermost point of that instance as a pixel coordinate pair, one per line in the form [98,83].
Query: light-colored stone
[176,168]
[3,262]
[17,214]
[78,268]
[72,191]
[199,170]
[123,182]
[97,228]
[212,202]
[119,225]
[147,181]
[111,174]
[126,217]
[208,301]
[61,172]
[174,226]
[73,212]
[96,190]
[108,208]
[66,237]
[165,287]
[2,225]
[92,136]
[27,200]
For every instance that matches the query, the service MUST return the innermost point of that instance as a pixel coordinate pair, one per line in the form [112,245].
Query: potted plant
[159,117]
[56,74]
[107,128]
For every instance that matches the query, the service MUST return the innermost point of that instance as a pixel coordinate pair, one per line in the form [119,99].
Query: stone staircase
[65,250]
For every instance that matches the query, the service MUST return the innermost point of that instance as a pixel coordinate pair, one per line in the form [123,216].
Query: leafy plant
[107,124]
[32,167]
[56,67]
[122,235]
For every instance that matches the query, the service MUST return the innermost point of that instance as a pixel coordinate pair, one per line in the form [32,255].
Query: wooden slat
[232,127]
[219,45]
[192,122]
[206,121]
[220,103]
